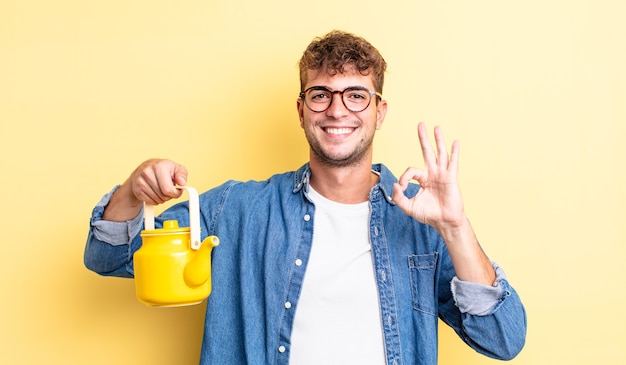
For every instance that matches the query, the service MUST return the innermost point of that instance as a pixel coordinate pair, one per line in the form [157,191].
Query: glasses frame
[340,92]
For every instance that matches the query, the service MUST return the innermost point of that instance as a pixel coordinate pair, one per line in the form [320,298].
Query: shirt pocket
[422,275]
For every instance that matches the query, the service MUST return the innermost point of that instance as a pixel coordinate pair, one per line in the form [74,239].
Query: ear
[300,106]
[381,111]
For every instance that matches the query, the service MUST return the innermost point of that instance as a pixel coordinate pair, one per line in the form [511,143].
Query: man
[337,262]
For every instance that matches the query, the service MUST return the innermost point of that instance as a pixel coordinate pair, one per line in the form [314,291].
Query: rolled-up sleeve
[110,245]
[478,299]
[114,233]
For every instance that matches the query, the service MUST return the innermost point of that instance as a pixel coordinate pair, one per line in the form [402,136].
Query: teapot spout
[198,270]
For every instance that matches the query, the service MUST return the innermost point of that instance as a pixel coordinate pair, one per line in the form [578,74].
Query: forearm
[123,205]
[469,260]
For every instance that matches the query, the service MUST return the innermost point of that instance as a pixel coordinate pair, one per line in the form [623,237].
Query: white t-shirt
[337,319]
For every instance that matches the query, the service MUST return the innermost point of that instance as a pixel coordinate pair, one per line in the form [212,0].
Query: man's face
[338,136]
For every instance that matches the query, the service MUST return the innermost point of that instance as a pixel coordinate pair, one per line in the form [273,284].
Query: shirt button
[287,305]
[307,217]
[281,349]
[298,262]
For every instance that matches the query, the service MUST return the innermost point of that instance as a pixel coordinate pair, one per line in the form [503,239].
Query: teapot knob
[170,224]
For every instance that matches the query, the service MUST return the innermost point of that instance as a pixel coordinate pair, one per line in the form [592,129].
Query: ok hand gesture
[438,202]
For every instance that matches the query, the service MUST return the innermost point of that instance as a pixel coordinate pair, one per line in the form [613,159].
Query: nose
[337,109]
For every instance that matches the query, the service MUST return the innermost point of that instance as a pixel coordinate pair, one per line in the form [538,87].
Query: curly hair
[338,50]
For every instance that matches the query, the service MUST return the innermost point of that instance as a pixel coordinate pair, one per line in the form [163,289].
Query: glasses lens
[318,99]
[356,100]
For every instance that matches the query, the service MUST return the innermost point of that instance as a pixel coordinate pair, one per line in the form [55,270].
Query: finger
[427,149]
[145,184]
[180,175]
[454,157]
[442,150]
[144,192]
[165,173]
[412,173]
[154,182]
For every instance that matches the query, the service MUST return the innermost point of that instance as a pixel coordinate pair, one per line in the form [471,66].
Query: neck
[345,184]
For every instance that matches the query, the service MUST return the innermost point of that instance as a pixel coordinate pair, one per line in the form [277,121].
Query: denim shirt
[266,231]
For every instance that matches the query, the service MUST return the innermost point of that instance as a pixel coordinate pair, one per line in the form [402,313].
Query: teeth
[338,130]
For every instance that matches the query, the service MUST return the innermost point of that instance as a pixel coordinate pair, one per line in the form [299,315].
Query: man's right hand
[153,182]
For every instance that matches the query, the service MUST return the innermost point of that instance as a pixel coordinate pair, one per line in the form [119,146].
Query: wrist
[452,231]
[123,205]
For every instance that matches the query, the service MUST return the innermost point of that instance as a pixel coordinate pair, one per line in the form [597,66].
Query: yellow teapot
[172,267]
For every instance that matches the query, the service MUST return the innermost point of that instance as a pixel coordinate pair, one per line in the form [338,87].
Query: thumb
[180,175]
[399,198]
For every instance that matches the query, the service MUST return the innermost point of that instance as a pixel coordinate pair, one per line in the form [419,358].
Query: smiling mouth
[338,131]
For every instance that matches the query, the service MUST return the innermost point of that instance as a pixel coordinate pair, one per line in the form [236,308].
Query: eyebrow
[322,87]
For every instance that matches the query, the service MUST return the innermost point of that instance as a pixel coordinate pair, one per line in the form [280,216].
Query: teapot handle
[194,216]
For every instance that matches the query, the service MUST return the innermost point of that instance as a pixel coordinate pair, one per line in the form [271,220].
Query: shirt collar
[383,188]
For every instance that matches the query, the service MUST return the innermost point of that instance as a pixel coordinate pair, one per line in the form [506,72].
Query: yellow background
[535,90]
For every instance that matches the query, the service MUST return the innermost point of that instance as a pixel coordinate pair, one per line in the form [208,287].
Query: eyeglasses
[355,98]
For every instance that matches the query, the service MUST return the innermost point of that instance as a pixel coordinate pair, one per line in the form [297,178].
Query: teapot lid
[169,227]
